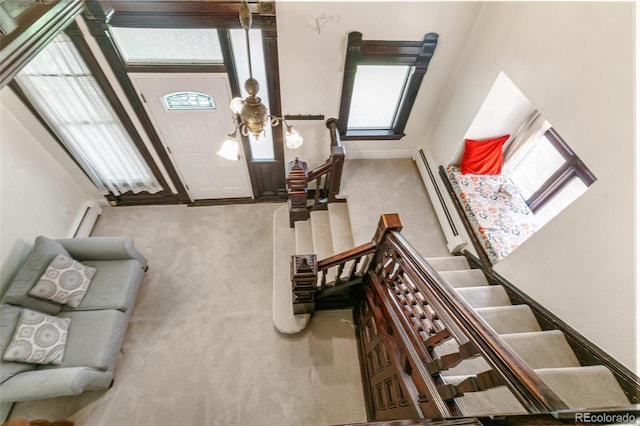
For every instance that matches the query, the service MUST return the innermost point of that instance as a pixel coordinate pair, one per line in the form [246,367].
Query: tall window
[380,84]
[60,86]
[546,170]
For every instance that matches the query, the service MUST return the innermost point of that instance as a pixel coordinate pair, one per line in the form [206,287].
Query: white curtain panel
[530,130]
[61,87]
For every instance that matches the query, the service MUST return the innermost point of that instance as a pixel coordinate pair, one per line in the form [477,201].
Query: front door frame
[267,177]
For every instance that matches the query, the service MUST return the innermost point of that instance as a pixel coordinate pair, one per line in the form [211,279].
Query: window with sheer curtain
[548,173]
[60,86]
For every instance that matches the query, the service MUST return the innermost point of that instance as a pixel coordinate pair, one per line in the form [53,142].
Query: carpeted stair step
[448,263]
[284,320]
[465,278]
[322,242]
[510,319]
[321,234]
[497,400]
[584,387]
[543,349]
[483,296]
[304,239]
[466,367]
[341,233]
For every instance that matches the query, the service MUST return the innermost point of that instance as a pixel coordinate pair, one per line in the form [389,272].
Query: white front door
[192,117]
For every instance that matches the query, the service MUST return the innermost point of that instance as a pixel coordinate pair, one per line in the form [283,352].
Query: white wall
[574,61]
[311,63]
[41,188]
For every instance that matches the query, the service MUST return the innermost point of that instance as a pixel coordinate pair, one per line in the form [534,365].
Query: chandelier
[250,114]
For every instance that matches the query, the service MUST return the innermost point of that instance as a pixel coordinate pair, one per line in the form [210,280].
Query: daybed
[95,328]
[493,206]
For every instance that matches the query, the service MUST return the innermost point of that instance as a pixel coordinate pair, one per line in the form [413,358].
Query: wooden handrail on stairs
[327,178]
[421,310]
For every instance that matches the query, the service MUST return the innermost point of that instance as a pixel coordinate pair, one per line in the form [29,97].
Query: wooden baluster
[316,198]
[297,183]
[337,160]
[304,276]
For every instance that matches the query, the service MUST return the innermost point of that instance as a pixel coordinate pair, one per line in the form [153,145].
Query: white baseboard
[451,224]
[85,219]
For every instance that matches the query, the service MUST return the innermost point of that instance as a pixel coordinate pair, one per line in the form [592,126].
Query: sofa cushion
[65,281]
[9,316]
[43,252]
[38,339]
[114,286]
[94,339]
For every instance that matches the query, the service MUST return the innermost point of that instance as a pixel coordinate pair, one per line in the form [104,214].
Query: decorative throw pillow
[508,190]
[65,281]
[483,157]
[38,339]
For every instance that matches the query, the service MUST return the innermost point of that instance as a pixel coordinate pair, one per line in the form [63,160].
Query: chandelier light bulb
[293,138]
[230,150]
[236,105]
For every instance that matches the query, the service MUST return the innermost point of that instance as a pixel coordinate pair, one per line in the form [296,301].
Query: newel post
[297,182]
[387,223]
[304,279]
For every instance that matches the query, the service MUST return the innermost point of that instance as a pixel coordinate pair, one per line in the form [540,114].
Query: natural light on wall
[546,171]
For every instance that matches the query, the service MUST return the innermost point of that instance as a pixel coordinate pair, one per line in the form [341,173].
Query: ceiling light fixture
[250,114]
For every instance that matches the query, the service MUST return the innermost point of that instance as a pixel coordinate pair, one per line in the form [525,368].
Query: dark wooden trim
[573,167]
[36,28]
[277,186]
[229,201]
[183,68]
[100,34]
[587,352]
[144,198]
[416,54]
[465,221]
[366,384]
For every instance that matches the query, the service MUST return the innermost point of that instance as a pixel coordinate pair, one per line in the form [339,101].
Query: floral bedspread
[497,212]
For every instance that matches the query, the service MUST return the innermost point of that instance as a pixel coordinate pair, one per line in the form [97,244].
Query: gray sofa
[97,325]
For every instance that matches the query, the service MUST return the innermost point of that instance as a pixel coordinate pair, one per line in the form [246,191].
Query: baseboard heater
[455,241]
[86,219]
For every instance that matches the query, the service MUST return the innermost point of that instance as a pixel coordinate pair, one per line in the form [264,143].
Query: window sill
[369,135]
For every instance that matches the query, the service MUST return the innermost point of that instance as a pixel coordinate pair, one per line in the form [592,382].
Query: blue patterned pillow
[65,281]
[38,339]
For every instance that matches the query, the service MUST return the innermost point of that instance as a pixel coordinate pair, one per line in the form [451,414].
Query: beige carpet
[201,348]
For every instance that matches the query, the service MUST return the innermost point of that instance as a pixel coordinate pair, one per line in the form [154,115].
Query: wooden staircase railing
[326,177]
[410,309]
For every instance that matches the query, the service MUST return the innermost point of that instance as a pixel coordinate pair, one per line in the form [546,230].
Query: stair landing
[284,246]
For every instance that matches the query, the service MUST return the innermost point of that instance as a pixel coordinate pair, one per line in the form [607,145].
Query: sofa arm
[103,248]
[50,383]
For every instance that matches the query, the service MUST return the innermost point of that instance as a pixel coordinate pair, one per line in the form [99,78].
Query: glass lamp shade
[236,105]
[229,150]
[293,139]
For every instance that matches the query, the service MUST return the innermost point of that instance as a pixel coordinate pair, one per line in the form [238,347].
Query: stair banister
[530,390]
[327,179]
